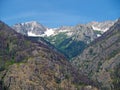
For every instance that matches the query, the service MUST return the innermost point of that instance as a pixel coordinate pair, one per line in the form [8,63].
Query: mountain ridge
[72,39]
[101,25]
[101,58]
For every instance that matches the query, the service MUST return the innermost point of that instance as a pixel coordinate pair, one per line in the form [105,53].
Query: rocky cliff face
[102,58]
[27,65]
[32,28]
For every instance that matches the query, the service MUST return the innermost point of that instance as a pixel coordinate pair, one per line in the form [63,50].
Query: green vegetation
[98,32]
[57,39]
[70,48]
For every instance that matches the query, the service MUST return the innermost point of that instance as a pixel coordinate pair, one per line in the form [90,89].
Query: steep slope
[101,60]
[27,65]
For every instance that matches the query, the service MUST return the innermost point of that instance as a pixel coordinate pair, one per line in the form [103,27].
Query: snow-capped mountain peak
[35,29]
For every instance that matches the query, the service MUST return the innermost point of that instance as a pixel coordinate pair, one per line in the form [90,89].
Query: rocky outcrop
[100,59]
[27,28]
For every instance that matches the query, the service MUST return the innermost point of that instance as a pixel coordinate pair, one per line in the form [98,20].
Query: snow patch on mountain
[98,35]
[101,26]
[65,30]
[33,34]
[99,29]
[49,32]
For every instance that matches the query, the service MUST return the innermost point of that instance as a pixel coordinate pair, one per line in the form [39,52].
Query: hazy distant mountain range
[70,40]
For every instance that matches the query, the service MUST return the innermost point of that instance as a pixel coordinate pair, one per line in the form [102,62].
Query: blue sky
[54,13]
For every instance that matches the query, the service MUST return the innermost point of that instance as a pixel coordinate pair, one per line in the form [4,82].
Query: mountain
[29,65]
[32,28]
[101,60]
[72,39]
[101,26]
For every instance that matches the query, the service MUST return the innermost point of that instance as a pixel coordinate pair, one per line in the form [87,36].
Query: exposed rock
[28,28]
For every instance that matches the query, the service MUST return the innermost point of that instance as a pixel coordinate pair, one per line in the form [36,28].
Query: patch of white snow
[96,28]
[99,29]
[33,34]
[49,32]
[98,35]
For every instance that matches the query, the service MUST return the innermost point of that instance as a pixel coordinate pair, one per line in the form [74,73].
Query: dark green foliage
[98,32]
[2,68]
[58,80]
[57,39]
[91,52]
[67,76]
[70,48]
